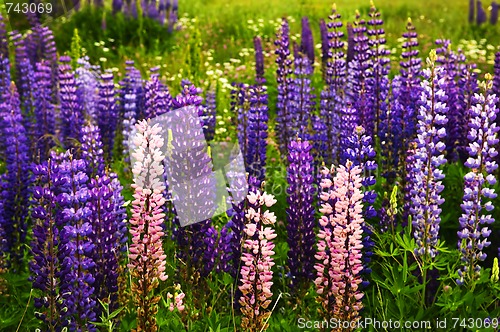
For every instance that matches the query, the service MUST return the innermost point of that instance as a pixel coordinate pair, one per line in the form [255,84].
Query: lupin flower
[14,184]
[467,88]
[146,256]
[257,262]
[378,85]
[284,82]
[360,73]
[496,79]
[340,246]
[477,205]
[190,159]
[494,13]
[45,246]
[158,98]
[75,246]
[87,81]
[301,101]
[481,14]
[300,214]
[471,11]
[306,40]
[44,110]
[107,114]
[4,41]
[72,116]
[92,151]
[257,131]
[429,157]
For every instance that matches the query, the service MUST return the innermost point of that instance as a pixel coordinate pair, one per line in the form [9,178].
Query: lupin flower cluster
[257,262]
[477,206]
[339,254]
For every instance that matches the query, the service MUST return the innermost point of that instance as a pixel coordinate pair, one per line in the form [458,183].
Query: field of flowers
[366,194]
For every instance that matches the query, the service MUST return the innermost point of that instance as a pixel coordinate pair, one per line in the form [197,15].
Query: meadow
[366,197]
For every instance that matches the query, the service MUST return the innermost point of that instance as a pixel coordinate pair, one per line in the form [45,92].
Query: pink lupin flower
[147,259]
[339,245]
[256,271]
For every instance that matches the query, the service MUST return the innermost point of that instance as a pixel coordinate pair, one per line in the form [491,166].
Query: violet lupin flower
[87,81]
[44,110]
[481,14]
[301,103]
[306,41]
[494,13]
[471,11]
[379,83]
[45,246]
[14,187]
[158,98]
[257,118]
[192,160]
[92,151]
[477,205]
[284,82]
[130,90]
[340,246]
[300,214]
[257,262]
[106,237]
[349,120]
[4,41]
[76,246]
[71,108]
[360,74]
[429,157]
[146,256]
[467,88]
[107,114]
[337,66]
[496,80]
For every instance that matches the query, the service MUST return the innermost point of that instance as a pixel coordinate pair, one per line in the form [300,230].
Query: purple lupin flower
[157,97]
[467,88]
[428,158]
[196,241]
[481,14]
[332,96]
[301,97]
[44,111]
[410,183]
[14,185]
[76,246]
[106,238]
[116,6]
[494,13]
[477,205]
[284,82]
[130,89]
[240,106]
[92,151]
[87,81]
[326,55]
[496,79]
[378,85]
[4,41]
[360,75]
[45,246]
[71,107]
[306,41]
[107,114]
[257,119]
[349,120]
[449,61]
[300,214]
[471,11]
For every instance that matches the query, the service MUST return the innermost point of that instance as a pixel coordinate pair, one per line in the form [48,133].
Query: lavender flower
[300,214]
[474,232]
[428,158]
